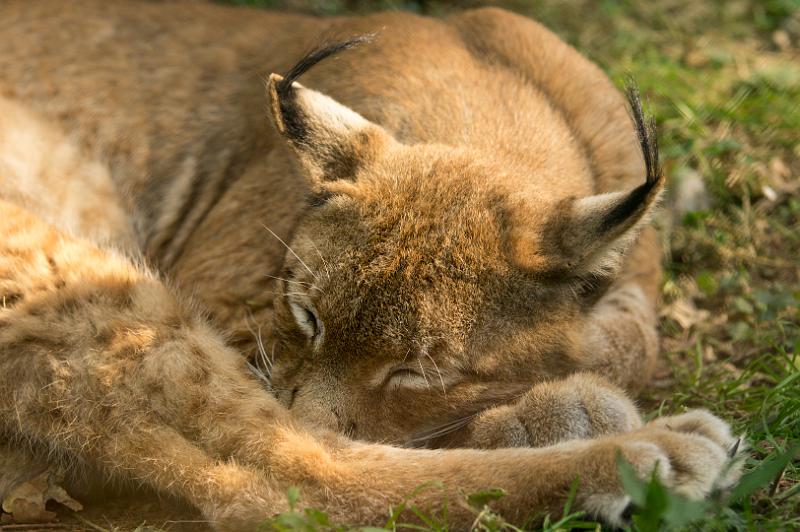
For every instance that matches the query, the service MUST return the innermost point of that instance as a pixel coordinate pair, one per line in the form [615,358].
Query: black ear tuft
[648,141]
[317,54]
[646,133]
[292,120]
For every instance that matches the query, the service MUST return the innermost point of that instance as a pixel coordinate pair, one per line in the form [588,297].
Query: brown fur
[459,263]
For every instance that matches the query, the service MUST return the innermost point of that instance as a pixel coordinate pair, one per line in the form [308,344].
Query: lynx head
[423,285]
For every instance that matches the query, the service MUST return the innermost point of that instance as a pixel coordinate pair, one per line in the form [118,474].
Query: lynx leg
[353,481]
[45,171]
[229,495]
[90,347]
[621,338]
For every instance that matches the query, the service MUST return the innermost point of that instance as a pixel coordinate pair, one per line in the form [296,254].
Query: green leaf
[317,517]
[763,474]
[482,498]
[573,490]
[635,487]
[707,283]
[657,507]
[293,495]
[681,511]
[649,516]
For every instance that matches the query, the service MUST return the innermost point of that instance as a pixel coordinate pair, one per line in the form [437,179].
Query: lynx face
[428,283]
[403,299]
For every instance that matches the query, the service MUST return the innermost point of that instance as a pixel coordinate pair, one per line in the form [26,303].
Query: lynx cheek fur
[470,252]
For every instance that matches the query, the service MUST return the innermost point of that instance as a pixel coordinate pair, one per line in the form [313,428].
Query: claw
[627,513]
[735,448]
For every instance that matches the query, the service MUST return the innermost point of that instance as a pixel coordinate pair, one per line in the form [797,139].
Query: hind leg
[90,360]
[151,452]
[43,170]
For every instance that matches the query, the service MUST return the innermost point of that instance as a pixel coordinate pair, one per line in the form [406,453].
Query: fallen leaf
[27,502]
[685,313]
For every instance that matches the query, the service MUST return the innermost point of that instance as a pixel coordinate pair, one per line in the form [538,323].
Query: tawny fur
[446,285]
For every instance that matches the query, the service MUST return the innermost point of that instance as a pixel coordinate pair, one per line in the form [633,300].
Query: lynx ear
[589,236]
[331,140]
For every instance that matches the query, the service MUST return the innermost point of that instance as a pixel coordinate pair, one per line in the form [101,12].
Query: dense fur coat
[436,242]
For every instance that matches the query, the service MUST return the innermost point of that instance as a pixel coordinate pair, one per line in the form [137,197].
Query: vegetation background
[723,79]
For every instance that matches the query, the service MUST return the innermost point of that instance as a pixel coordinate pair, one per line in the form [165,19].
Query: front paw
[692,454]
[581,406]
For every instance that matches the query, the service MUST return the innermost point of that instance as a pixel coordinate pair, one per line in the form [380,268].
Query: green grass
[723,79]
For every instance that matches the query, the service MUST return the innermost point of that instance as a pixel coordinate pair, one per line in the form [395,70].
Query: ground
[723,79]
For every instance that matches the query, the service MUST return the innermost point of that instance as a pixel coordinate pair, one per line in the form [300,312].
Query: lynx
[436,240]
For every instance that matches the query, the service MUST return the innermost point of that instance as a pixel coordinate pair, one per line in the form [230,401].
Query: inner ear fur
[589,236]
[331,140]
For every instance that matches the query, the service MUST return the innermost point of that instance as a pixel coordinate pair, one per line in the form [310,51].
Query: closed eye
[307,320]
[405,377]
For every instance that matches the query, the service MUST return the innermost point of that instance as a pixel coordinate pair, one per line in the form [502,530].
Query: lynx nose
[314,405]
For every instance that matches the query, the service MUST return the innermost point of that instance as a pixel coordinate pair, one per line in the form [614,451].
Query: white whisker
[422,368]
[441,379]
[290,250]
[451,426]
[324,262]
[259,375]
[303,283]
[262,353]
[295,294]
[442,430]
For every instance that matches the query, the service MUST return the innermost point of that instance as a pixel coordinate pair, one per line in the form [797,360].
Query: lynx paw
[692,454]
[582,406]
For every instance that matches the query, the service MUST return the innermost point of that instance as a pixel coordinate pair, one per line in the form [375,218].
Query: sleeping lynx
[445,255]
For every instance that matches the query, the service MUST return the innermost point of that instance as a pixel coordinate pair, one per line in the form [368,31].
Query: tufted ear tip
[331,140]
[590,235]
